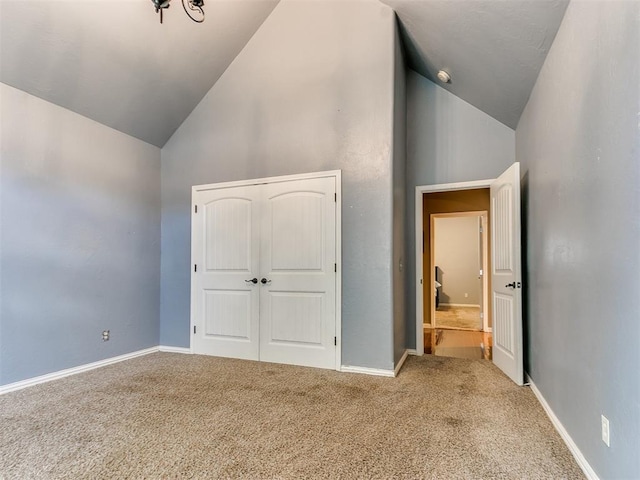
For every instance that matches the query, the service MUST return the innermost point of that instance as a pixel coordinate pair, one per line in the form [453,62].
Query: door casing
[337,174]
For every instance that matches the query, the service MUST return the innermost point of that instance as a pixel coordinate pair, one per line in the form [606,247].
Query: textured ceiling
[493,49]
[113,62]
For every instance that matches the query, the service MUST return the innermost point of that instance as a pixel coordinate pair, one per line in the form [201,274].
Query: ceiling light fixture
[193,8]
[444,77]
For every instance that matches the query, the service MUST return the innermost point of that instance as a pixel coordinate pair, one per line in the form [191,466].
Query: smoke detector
[444,77]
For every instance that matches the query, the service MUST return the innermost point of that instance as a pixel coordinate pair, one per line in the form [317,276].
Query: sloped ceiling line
[116,64]
[119,66]
[493,50]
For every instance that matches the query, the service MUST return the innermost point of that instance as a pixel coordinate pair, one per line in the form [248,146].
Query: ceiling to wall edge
[223,72]
[404,44]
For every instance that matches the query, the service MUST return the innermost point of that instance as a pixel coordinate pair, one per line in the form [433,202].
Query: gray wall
[448,140]
[579,145]
[79,246]
[313,90]
[457,253]
[399,199]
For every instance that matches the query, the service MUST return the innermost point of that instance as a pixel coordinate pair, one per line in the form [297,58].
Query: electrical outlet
[605,430]
[105,335]
[466,295]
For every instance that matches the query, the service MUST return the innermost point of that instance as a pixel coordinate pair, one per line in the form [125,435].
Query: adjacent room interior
[458,256]
[458,322]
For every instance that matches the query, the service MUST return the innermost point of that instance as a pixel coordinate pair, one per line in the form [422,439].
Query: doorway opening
[500,197]
[459,316]
[458,260]
[454,311]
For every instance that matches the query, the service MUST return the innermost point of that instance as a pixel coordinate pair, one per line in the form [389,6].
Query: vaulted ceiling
[112,61]
[493,49]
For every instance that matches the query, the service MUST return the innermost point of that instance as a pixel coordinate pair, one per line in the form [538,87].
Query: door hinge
[335,341]
[481,230]
[196,209]
[481,315]
[195,267]
[194,329]
[335,267]
[335,197]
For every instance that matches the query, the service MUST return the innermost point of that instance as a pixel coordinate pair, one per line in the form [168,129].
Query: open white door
[506,274]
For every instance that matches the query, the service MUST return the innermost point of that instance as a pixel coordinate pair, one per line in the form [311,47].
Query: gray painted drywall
[448,140]
[313,90]
[457,253]
[79,249]
[579,146]
[399,198]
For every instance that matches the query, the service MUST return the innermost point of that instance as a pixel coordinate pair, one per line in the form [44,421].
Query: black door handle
[253,280]
[513,285]
[264,281]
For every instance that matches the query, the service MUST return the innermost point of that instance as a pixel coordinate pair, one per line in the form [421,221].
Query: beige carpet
[448,316]
[186,416]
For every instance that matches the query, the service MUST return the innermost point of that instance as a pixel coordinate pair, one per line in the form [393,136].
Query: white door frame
[337,174]
[484,252]
[420,190]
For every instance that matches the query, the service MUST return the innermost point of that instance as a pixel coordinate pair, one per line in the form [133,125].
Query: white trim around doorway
[420,190]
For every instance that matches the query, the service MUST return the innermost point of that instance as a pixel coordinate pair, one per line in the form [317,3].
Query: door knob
[264,281]
[253,280]
[513,285]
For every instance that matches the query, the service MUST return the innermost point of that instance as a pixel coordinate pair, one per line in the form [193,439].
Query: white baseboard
[379,371]
[367,371]
[573,448]
[403,358]
[169,349]
[413,351]
[12,387]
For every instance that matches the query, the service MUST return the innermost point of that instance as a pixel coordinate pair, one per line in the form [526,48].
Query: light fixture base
[193,8]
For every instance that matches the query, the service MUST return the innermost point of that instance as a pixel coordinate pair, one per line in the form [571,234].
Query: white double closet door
[264,280]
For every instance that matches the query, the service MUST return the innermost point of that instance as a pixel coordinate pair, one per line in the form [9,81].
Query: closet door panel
[264,279]
[297,263]
[225,250]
